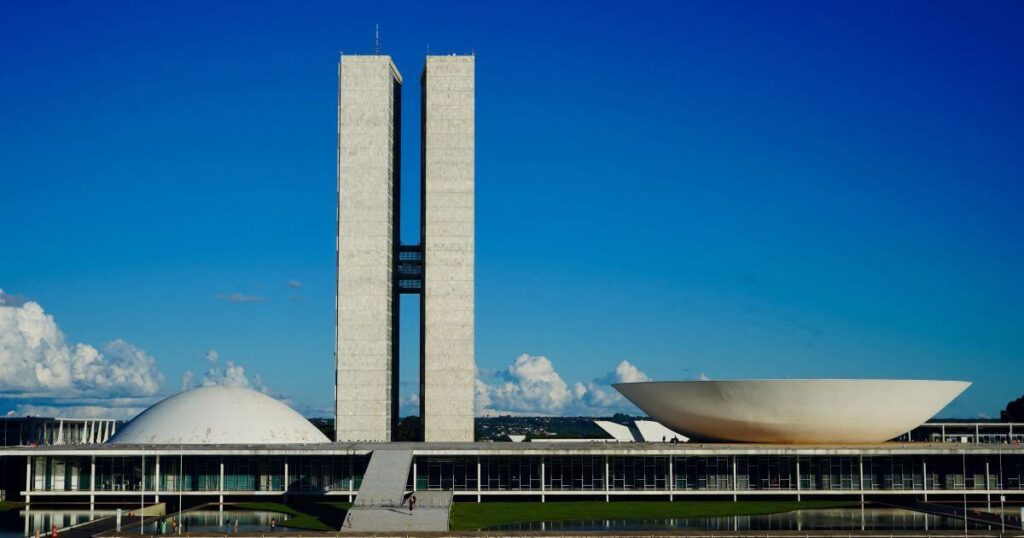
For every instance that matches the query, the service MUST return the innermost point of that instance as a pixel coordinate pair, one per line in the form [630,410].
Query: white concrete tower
[448,369]
[369,111]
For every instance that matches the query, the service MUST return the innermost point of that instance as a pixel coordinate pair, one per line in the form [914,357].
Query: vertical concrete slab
[368,100]
[449,367]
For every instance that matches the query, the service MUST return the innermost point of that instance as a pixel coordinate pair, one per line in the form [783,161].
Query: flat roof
[525,449]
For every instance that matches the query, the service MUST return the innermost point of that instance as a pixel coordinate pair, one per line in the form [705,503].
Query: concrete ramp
[385,479]
[381,505]
[430,514]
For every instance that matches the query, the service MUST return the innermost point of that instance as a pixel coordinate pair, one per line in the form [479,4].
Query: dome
[793,411]
[218,416]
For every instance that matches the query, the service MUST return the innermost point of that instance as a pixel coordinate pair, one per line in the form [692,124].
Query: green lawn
[8,505]
[469,515]
[308,515]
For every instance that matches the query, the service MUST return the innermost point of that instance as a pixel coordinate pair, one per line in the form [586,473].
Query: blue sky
[740,190]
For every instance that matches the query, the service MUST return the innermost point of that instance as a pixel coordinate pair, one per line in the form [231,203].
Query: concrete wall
[367,141]
[449,368]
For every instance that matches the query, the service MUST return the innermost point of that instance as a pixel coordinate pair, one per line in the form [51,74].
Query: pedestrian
[236,526]
[273,524]
[227,527]
[53,530]
[348,521]
[412,502]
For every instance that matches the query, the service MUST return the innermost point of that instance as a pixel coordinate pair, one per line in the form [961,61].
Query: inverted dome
[218,416]
[793,411]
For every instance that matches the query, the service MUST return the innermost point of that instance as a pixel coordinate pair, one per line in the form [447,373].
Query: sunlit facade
[501,470]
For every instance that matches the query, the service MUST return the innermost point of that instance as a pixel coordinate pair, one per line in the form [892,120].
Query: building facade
[375,268]
[474,471]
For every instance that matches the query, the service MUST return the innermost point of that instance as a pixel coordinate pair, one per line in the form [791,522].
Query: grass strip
[469,515]
[313,515]
[9,505]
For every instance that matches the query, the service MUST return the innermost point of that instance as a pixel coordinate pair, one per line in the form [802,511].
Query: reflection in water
[224,520]
[25,522]
[847,519]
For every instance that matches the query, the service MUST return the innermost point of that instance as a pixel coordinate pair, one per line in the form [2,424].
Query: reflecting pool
[845,519]
[22,522]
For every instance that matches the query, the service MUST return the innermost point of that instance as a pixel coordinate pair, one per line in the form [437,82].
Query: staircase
[380,504]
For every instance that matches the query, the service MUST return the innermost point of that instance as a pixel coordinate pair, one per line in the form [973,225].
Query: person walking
[273,524]
[236,526]
[53,530]
[348,521]
[412,502]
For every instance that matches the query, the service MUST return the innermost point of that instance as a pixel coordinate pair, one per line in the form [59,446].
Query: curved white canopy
[218,415]
[793,411]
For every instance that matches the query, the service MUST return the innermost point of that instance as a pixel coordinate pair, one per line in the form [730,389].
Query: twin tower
[375,268]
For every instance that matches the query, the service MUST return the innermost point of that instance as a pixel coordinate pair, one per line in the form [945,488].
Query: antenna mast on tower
[376,38]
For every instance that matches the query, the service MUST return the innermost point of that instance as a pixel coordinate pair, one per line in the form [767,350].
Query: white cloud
[230,375]
[238,297]
[36,361]
[532,386]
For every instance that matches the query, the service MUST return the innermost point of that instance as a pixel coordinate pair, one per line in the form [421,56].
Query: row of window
[514,473]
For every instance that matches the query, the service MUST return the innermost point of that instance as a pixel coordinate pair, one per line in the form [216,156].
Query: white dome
[218,416]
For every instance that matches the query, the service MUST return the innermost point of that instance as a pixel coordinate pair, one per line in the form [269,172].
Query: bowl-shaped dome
[218,416]
[793,411]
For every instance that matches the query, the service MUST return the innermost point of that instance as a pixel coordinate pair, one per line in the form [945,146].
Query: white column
[542,488]
[221,488]
[607,480]
[92,485]
[988,494]
[924,471]
[479,486]
[860,464]
[156,480]
[28,480]
[350,482]
[60,433]
[671,478]
[798,488]
[735,481]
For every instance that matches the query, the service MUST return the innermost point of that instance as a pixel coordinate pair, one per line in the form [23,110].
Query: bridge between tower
[409,270]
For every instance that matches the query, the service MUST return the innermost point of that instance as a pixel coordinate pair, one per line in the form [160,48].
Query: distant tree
[1014,411]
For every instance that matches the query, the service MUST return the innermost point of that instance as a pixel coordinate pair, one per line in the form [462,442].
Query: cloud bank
[40,371]
[532,386]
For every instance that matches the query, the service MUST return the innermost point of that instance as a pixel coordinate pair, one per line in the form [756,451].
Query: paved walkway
[381,506]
